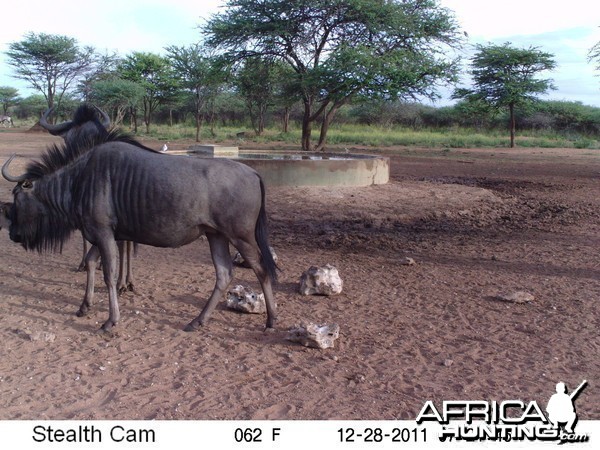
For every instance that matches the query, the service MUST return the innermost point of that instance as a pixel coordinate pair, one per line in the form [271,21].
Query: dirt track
[477,223]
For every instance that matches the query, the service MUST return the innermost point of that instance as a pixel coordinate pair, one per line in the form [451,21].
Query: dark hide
[4,209]
[89,123]
[120,190]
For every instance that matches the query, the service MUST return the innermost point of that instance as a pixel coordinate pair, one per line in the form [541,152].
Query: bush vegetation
[380,124]
[375,123]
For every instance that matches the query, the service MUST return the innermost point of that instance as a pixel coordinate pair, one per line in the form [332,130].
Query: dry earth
[477,223]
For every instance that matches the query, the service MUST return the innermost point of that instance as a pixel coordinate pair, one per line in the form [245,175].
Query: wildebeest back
[164,200]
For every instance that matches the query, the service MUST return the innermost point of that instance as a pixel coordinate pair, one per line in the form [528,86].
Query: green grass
[449,138]
[380,137]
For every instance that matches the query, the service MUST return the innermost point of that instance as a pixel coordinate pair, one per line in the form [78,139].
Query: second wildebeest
[4,209]
[120,190]
[6,120]
[87,123]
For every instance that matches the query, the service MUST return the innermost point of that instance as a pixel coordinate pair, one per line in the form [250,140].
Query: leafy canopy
[50,63]
[504,75]
[339,49]
[343,46]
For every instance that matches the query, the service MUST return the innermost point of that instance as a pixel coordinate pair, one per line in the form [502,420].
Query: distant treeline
[559,116]
[229,109]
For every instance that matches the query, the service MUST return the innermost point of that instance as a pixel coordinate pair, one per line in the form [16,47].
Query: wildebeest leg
[108,252]
[81,267]
[125,281]
[90,261]
[251,255]
[219,249]
[129,279]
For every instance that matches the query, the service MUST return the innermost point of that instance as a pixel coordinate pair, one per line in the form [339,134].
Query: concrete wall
[359,171]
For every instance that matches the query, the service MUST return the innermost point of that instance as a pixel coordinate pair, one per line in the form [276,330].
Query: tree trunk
[286,119]
[198,114]
[261,118]
[511,108]
[198,125]
[327,118]
[133,114]
[119,116]
[212,118]
[252,117]
[306,125]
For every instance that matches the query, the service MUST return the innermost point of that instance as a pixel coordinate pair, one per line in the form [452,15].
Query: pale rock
[516,297]
[313,335]
[321,281]
[238,259]
[246,300]
[44,336]
[406,261]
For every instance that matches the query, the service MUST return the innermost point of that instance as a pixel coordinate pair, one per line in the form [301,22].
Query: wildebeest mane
[85,113]
[58,156]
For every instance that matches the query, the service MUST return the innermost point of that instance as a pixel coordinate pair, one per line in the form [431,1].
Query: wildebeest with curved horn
[90,121]
[85,123]
[121,190]
[6,120]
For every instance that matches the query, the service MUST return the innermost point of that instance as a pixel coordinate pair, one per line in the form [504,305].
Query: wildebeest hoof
[192,326]
[108,325]
[82,312]
[125,288]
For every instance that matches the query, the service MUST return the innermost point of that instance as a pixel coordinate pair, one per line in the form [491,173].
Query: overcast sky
[565,29]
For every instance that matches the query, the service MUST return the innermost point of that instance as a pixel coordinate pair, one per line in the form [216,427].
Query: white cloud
[566,29]
[501,18]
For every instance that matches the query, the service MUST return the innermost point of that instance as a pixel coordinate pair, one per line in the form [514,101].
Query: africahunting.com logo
[510,420]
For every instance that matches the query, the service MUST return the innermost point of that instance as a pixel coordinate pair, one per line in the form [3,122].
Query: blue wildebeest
[121,190]
[87,123]
[4,208]
[6,120]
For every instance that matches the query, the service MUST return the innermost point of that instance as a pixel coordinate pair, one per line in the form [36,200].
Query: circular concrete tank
[318,169]
[284,168]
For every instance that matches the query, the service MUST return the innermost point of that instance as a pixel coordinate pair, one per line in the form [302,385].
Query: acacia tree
[116,95]
[49,63]
[257,82]
[199,73]
[505,77]
[339,49]
[155,75]
[594,55]
[8,97]
[103,69]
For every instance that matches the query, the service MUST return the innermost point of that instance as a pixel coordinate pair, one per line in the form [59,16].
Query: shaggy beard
[47,234]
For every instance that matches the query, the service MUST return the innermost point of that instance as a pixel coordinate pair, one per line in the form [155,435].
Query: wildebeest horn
[53,129]
[105,118]
[8,176]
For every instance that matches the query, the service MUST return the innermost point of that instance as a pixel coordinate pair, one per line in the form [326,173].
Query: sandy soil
[477,223]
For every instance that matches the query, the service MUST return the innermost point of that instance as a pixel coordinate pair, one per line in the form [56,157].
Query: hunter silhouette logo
[509,420]
[561,407]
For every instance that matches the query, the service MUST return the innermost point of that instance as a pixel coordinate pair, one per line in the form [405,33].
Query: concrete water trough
[285,168]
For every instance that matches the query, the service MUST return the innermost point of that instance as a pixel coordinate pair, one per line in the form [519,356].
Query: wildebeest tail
[261,234]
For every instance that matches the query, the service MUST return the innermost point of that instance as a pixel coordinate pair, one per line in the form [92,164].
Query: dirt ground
[477,223]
